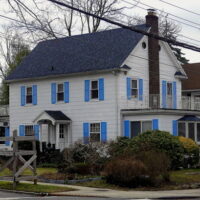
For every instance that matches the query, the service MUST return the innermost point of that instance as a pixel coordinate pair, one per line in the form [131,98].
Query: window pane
[60,96]
[134,83]
[169,88]
[135,128]
[95,94]
[60,87]
[191,131]
[134,92]
[94,137]
[94,84]
[2,134]
[182,129]
[146,126]
[29,91]
[29,131]
[198,132]
[29,99]
[95,127]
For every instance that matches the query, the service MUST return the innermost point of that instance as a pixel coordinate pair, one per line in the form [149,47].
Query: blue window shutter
[140,89]
[66,92]
[128,87]
[164,94]
[37,131]
[101,89]
[7,134]
[155,124]
[103,131]
[174,96]
[34,88]
[86,133]
[21,130]
[23,96]
[53,93]
[126,128]
[175,127]
[87,90]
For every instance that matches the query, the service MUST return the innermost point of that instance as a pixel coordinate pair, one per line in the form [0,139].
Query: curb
[24,192]
[181,197]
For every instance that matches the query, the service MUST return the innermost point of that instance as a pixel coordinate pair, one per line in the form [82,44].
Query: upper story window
[29,131]
[60,92]
[94,89]
[95,132]
[169,88]
[134,88]
[29,95]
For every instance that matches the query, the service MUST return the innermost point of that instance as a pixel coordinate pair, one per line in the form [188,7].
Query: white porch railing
[4,110]
[155,102]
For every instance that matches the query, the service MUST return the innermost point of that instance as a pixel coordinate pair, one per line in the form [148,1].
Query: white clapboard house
[97,87]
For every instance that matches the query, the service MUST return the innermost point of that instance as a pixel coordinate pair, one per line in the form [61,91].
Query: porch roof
[189,118]
[57,115]
[52,116]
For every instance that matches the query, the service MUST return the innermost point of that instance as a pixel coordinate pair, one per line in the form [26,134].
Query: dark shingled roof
[57,115]
[189,118]
[82,53]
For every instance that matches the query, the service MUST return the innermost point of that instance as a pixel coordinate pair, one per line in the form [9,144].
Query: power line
[190,11]
[155,36]
[161,14]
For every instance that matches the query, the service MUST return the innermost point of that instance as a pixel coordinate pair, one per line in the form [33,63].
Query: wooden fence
[17,155]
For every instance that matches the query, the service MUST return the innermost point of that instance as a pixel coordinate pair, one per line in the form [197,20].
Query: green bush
[79,168]
[151,140]
[191,151]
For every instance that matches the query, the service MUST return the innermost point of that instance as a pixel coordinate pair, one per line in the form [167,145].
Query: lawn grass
[28,187]
[40,171]
[178,178]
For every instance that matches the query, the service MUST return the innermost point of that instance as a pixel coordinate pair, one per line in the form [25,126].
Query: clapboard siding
[77,109]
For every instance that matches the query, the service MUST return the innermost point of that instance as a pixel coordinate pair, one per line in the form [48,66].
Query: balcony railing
[155,102]
[4,110]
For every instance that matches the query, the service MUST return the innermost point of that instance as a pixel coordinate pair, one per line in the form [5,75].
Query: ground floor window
[95,132]
[29,130]
[2,134]
[61,130]
[190,130]
[138,127]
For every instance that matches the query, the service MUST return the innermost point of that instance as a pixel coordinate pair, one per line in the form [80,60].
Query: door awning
[51,116]
[189,118]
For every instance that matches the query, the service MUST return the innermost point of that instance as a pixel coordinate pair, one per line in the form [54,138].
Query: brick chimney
[153,53]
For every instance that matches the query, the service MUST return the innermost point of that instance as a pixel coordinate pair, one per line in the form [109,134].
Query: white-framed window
[169,88]
[95,132]
[134,88]
[189,129]
[61,130]
[94,89]
[60,92]
[29,130]
[29,95]
[138,127]
[2,134]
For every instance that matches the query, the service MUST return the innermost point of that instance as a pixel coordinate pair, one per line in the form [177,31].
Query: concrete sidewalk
[101,192]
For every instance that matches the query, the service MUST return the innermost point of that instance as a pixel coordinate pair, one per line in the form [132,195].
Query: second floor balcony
[156,102]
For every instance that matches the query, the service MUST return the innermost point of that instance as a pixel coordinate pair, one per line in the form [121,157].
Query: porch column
[57,136]
[70,134]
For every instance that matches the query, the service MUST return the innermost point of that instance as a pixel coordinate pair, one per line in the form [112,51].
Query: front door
[62,136]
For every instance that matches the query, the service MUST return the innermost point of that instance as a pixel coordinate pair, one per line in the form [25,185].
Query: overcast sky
[188,31]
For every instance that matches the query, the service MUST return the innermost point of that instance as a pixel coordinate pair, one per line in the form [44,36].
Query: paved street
[13,196]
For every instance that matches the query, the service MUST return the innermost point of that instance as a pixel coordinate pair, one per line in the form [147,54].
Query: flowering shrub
[191,150]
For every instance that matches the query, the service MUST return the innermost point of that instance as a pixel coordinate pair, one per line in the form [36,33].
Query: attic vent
[144,45]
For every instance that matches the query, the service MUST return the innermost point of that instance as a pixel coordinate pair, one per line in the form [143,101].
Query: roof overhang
[159,112]
[65,75]
[45,118]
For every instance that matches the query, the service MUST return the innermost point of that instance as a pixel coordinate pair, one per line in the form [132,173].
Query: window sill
[29,105]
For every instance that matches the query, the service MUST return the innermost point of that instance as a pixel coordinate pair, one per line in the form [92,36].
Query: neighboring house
[97,86]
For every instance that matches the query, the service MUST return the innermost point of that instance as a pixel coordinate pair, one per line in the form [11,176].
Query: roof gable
[82,53]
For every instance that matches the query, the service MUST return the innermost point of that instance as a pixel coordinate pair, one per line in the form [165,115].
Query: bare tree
[42,19]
